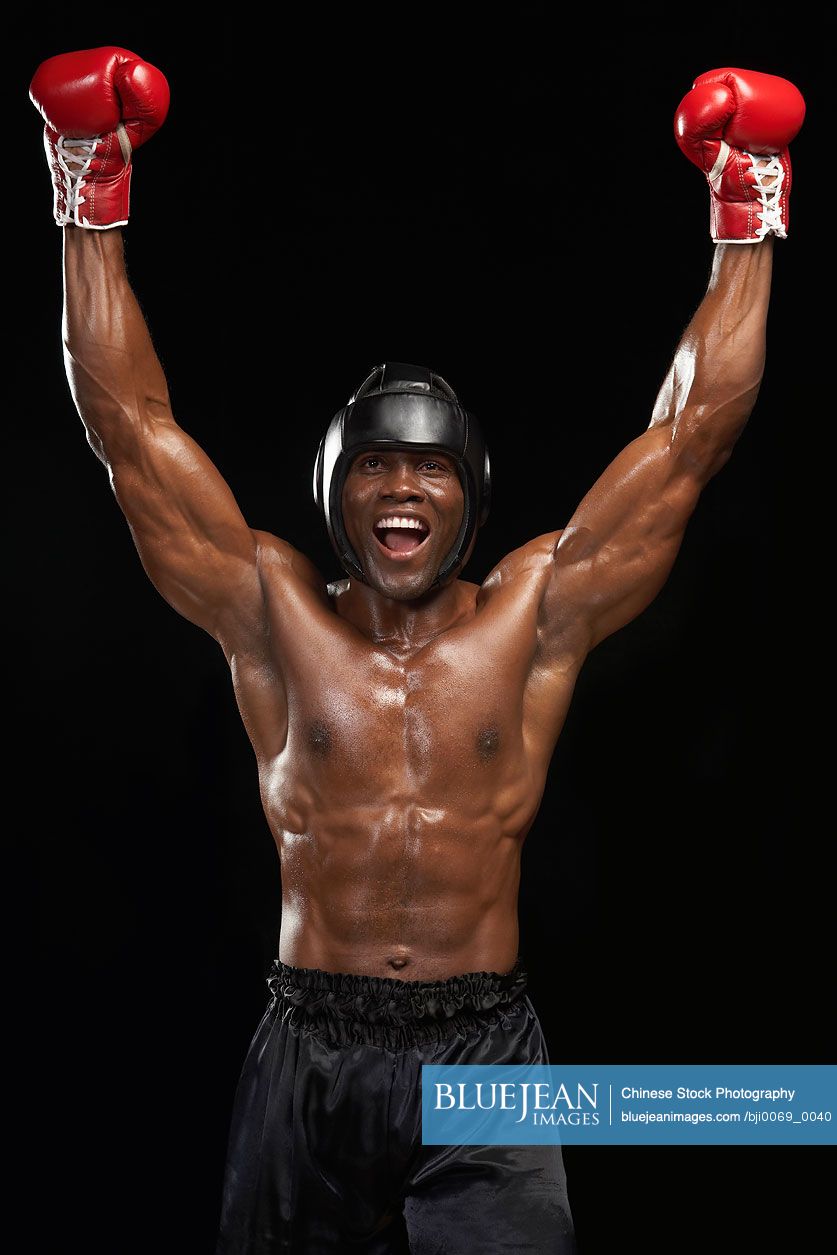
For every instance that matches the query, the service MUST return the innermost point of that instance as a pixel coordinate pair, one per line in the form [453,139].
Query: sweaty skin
[403,737]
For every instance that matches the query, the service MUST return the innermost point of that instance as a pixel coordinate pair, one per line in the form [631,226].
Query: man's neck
[404,625]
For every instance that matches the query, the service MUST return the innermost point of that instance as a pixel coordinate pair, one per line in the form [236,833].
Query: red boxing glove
[736,126]
[99,105]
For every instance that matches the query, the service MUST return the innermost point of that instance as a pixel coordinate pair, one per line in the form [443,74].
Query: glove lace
[770,195]
[73,177]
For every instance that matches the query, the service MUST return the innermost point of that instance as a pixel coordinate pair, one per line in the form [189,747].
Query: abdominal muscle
[400,890]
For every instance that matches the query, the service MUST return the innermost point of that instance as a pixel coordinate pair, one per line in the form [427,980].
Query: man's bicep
[601,594]
[192,539]
[617,550]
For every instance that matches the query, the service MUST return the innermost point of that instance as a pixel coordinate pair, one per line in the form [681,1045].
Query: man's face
[402,511]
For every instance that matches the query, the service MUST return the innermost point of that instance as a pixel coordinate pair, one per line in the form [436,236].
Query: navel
[399,958]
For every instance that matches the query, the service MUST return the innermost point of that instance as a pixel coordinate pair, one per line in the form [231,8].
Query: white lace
[769,196]
[73,178]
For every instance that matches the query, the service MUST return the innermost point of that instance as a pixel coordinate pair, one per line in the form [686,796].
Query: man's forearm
[714,379]
[115,377]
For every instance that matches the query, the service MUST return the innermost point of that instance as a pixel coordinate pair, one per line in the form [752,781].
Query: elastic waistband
[381,1010]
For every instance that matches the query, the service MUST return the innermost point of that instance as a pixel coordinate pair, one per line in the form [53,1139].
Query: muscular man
[403,719]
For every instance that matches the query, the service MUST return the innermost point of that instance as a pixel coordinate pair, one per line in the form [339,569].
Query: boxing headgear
[408,407]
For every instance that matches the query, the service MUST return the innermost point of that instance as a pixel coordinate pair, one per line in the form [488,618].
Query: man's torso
[399,780]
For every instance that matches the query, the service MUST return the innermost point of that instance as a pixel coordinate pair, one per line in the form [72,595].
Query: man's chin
[400,585]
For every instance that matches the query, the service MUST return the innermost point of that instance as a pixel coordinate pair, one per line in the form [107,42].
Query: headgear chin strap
[409,407]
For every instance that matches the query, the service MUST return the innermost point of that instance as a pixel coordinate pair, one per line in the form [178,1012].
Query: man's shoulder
[532,558]
[279,561]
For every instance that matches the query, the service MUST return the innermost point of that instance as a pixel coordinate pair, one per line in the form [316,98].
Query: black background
[502,199]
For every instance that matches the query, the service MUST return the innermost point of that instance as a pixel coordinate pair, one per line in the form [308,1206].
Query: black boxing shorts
[325,1154]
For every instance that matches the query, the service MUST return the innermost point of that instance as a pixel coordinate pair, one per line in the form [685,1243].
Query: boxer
[403,718]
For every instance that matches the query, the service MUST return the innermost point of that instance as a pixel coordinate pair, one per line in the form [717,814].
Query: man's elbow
[702,443]
[95,442]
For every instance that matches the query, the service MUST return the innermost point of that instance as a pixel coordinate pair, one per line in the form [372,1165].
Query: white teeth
[396,522]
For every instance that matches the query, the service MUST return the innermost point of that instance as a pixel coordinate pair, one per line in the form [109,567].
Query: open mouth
[400,536]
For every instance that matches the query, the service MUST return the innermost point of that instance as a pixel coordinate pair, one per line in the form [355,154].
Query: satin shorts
[325,1154]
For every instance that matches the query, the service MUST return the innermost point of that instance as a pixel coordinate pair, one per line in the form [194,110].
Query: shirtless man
[403,719]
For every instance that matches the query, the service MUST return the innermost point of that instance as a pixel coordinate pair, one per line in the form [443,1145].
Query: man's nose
[402,483]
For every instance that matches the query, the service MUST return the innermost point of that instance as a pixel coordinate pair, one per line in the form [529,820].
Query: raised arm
[190,534]
[616,552]
[99,106]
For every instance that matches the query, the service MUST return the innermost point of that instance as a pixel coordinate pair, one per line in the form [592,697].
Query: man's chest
[447,709]
[476,695]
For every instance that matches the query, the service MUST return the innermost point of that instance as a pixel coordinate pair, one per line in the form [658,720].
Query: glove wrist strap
[747,207]
[71,171]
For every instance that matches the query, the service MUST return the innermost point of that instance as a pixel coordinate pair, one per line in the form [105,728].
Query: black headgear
[407,406]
